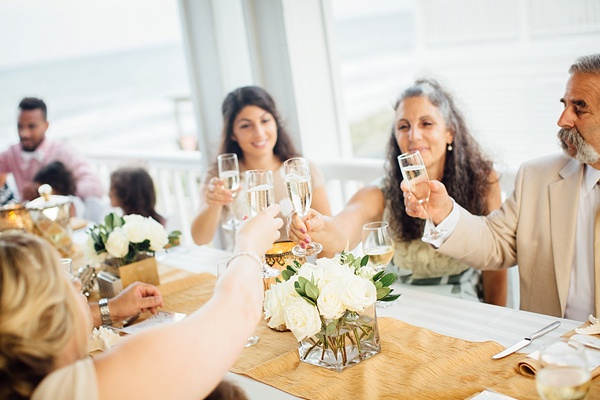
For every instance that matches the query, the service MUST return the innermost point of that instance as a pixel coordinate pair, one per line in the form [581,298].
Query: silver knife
[527,340]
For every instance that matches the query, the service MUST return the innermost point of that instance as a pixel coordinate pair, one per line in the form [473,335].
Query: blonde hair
[38,313]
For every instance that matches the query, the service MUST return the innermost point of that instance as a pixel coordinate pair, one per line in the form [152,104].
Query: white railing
[176,177]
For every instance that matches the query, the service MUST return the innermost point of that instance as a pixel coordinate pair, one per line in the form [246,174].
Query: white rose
[330,302]
[276,300]
[157,234]
[366,272]
[117,244]
[89,252]
[336,272]
[302,318]
[357,293]
[135,228]
[312,273]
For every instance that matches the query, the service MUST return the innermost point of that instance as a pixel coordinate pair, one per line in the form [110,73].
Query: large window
[113,73]
[505,61]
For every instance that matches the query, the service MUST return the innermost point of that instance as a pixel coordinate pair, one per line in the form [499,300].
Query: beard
[571,141]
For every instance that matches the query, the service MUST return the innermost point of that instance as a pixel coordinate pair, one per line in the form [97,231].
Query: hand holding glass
[229,173]
[299,187]
[259,192]
[565,373]
[414,173]
[377,244]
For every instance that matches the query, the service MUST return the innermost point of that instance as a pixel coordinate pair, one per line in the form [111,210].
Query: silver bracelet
[104,312]
[254,256]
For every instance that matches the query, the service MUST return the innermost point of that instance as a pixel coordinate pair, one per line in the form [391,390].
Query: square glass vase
[343,342]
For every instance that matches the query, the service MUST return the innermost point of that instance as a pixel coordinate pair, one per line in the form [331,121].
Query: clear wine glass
[229,172]
[221,266]
[299,188]
[259,192]
[415,174]
[565,372]
[377,244]
[379,247]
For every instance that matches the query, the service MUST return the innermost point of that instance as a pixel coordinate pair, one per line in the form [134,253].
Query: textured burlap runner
[414,363]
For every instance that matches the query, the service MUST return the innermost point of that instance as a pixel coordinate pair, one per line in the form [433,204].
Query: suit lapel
[564,202]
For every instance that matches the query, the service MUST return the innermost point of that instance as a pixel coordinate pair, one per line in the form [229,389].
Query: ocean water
[106,101]
[126,100]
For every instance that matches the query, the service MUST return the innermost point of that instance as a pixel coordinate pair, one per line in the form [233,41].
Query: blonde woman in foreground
[45,325]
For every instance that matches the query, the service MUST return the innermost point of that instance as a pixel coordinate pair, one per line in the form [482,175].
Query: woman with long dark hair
[252,129]
[132,190]
[427,120]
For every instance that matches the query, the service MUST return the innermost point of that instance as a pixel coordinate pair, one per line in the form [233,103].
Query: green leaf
[286,274]
[390,297]
[388,279]
[330,328]
[303,282]
[364,261]
[378,275]
[381,293]
[312,290]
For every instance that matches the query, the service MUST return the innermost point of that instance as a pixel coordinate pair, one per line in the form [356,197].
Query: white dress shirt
[580,301]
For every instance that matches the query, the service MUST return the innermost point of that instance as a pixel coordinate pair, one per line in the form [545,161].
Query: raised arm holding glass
[46,325]
[426,120]
[547,225]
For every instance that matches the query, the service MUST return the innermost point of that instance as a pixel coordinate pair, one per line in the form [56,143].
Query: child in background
[132,190]
[57,175]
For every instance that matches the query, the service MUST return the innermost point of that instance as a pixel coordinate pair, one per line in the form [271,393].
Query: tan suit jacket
[534,228]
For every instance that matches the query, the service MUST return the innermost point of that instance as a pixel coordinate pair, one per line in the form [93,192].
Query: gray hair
[589,64]
[433,91]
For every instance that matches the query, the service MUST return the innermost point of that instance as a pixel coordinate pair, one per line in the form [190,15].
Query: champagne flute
[259,192]
[221,266]
[299,188]
[229,172]
[565,373]
[414,173]
[377,244]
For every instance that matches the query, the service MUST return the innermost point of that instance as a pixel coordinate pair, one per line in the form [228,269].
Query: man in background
[34,151]
[548,225]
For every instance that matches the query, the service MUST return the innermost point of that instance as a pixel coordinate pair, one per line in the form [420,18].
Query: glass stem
[429,220]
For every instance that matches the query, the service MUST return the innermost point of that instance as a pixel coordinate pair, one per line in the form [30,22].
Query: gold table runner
[414,362]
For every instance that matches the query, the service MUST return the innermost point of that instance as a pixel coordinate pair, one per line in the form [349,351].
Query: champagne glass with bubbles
[299,188]
[565,373]
[259,192]
[229,173]
[415,174]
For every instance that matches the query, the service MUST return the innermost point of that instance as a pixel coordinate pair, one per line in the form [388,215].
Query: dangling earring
[450,148]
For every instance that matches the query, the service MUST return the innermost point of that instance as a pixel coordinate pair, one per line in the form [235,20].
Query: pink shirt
[25,166]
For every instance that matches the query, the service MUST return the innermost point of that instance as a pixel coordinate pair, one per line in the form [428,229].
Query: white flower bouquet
[125,239]
[329,307]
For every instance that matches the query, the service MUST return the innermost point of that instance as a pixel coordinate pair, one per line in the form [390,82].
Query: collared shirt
[24,166]
[580,301]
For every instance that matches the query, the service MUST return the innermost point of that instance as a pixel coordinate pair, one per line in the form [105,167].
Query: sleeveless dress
[73,382]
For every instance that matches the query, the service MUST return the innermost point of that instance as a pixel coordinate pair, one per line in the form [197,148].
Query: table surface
[453,317]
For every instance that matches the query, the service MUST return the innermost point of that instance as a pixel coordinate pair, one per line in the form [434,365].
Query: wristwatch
[104,312]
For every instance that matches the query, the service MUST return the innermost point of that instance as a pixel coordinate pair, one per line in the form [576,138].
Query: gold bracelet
[254,256]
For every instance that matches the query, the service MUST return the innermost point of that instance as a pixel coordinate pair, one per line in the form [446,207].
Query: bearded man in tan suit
[547,224]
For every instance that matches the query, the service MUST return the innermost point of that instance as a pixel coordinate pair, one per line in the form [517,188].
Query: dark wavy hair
[234,103]
[134,188]
[466,170]
[57,175]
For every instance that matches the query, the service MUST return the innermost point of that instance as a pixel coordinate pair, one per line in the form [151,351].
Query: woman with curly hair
[254,130]
[427,120]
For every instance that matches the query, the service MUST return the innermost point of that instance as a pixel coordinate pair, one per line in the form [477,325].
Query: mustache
[572,135]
